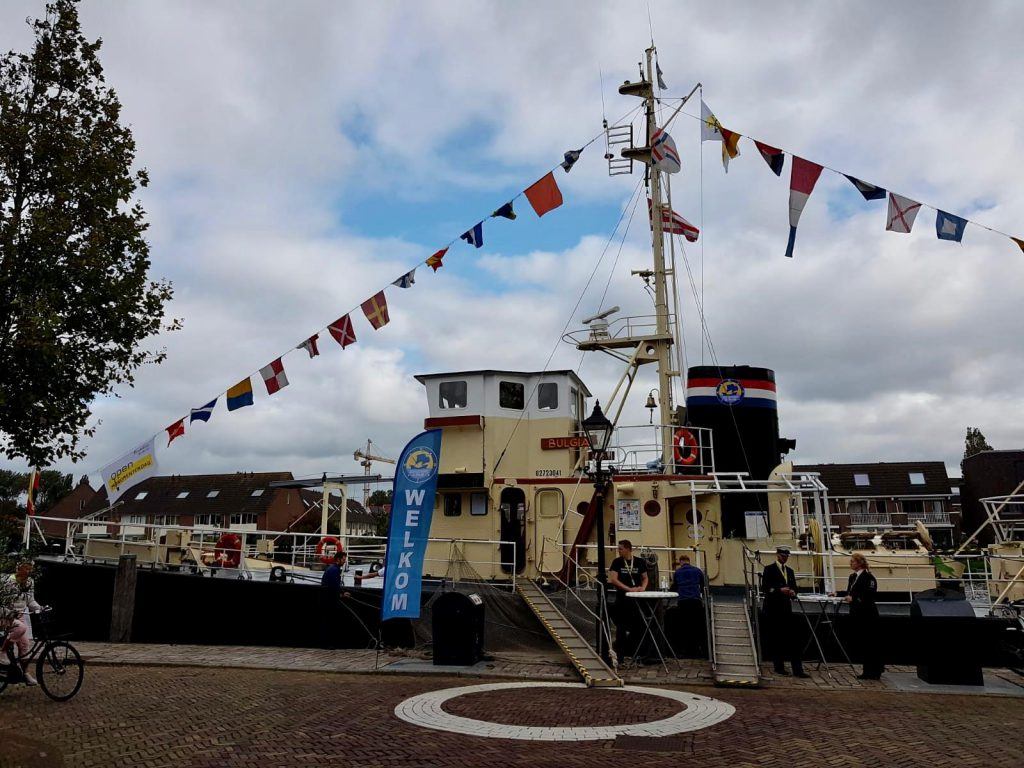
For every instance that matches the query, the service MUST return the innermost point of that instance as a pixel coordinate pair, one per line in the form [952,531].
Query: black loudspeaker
[942,621]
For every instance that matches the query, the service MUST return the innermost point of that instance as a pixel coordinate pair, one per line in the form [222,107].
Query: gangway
[584,658]
[733,650]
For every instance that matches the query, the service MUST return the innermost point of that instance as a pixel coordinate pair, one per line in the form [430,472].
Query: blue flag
[949,227]
[406,280]
[869,191]
[474,236]
[203,413]
[412,507]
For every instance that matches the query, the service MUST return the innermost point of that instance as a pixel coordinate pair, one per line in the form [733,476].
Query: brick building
[886,496]
[992,473]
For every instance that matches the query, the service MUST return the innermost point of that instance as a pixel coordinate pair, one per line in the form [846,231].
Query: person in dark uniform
[688,582]
[331,593]
[627,574]
[778,584]
[860,594]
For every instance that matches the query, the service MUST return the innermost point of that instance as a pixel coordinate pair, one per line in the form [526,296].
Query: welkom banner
[135,466]
[412,508]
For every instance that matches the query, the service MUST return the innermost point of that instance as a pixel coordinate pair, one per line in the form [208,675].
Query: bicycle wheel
[60,670]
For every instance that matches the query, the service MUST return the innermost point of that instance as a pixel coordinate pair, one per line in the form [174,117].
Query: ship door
[513,529]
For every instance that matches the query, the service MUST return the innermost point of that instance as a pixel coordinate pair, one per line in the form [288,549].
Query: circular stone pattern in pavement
[427,710]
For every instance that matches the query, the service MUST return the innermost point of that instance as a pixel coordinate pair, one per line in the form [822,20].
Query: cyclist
[24,602]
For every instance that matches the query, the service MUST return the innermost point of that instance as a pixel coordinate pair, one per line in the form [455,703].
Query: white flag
[134,467]
[902,212]
[709,125]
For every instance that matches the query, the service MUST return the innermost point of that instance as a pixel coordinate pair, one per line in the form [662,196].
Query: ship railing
[586,561]
[162,545]
[626,327]
[638,449]
[900,576]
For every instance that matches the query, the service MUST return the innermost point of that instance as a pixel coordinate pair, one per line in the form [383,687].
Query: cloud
[270,130]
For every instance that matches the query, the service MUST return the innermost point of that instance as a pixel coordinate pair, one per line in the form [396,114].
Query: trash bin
[942,621]
[458,627]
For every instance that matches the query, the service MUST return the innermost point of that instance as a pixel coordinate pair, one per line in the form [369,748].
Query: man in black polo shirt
[627,574]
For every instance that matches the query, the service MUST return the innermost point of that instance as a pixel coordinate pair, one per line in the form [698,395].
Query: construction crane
[366,459]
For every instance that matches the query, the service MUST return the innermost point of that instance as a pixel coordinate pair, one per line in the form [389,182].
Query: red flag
[544,195]
[310,345]
[673,223]
[177,429]
[434,262]
[376,310]
[274,376]
[342,331]
[33,488]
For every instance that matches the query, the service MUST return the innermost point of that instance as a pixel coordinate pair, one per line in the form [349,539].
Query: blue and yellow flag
[240,395]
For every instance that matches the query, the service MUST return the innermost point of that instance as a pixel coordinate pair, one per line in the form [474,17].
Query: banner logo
[420,465]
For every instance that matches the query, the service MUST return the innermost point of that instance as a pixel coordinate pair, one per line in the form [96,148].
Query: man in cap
[778,585]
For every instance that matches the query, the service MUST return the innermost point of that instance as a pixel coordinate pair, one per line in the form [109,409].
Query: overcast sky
[305,154]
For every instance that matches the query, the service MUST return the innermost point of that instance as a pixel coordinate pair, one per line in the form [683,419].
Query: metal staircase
[592,669]
[733,650]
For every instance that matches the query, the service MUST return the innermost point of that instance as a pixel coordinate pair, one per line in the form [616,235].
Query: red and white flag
[674,224]
[902,212]
[342,331]
[177,429]
[33,489]
[803,176]
[310,345]
[274,376]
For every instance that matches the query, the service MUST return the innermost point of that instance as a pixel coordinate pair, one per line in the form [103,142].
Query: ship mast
[663,344]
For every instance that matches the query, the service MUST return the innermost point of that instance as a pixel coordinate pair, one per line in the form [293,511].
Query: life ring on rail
[228,550]
[684,446]
[326,548]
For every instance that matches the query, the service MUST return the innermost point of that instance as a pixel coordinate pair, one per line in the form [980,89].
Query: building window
[452,394]
[917,478]
[452,504]
[912,506]
[165,520]
[209,521]
[243,519]
[141,496]
[213,494]
[183,495]
[478,504]
[859,507]
[134,520]
[861,479]
[511,394]
[547,396]
[257,492]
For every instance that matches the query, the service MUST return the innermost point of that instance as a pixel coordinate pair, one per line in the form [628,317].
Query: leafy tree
[379,498]
[75,300]
[975,442]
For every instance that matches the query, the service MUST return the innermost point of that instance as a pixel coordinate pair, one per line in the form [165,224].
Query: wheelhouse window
[478,504]
[861,479]
[452,504]
[574,404]
[452,394]
[512,395]
[917,478]
[547,396]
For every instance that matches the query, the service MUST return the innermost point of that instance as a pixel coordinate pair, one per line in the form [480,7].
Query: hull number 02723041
[549,473]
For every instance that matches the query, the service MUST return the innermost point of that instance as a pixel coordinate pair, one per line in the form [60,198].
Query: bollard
[122,609]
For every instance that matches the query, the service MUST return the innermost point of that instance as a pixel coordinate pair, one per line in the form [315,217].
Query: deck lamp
[598,428]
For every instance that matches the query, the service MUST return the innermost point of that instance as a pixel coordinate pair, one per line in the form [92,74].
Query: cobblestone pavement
[199,717]
[524,666]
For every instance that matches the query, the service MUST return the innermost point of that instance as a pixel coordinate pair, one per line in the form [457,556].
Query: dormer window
[183,495]
[141,495]
[452,394]
[917,478]
[861,479]
[212,494]
[512,395]
[547,397]
[257,492]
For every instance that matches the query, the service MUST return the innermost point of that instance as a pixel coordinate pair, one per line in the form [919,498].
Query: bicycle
[59,667]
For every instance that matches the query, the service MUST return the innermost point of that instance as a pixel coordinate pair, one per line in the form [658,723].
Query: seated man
[688,583]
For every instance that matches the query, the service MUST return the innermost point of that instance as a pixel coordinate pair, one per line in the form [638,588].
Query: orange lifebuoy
[228,550]
[684,437]
[328,557]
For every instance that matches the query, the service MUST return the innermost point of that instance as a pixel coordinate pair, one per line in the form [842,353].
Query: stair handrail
[606,631]
[751,603]
[713,648]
